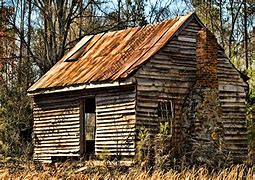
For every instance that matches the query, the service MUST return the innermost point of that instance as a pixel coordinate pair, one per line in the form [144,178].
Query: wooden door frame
[82,128]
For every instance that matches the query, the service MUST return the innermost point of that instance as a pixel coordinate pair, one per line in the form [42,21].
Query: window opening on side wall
[166,112]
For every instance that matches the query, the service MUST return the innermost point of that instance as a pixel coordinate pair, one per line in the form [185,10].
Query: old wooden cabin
[110,85]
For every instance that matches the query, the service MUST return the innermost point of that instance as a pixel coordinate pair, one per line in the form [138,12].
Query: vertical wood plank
[82,127]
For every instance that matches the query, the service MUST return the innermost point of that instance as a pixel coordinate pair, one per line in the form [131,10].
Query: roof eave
[127,82]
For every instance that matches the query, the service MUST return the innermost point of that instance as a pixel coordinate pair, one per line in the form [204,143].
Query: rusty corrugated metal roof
[109,56]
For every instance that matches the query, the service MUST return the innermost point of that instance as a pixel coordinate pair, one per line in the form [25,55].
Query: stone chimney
[206,60]
[202,113]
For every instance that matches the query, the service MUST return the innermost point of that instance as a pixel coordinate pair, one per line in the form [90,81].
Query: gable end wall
[171,73]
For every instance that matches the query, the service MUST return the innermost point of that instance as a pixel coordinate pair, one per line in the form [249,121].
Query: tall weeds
[89,170]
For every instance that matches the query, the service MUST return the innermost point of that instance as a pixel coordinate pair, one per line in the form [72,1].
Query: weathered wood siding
[168,75]
[56,127]
[57,123]
[171,73]
[232,97]
[115,123]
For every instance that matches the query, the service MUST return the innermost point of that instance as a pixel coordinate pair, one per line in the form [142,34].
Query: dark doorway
[88,126]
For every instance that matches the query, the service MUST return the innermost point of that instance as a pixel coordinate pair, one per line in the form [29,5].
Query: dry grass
[109,171]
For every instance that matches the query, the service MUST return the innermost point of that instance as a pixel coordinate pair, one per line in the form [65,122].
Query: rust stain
[109,56]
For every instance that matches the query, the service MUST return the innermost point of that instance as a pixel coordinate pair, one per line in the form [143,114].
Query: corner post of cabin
[82,127]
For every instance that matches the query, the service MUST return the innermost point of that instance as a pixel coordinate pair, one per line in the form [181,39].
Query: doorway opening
[88,126]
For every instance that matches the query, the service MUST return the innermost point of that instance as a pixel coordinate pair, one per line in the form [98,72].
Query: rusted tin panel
[109,56]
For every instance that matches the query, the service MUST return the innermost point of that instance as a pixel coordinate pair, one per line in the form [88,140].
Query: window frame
[165,112]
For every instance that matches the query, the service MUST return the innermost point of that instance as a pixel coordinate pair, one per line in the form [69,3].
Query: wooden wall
[115,123]
[171,73]
[56,127]
[232,97]
[57,123]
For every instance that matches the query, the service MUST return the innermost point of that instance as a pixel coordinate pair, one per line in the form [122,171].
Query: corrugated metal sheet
[109,56]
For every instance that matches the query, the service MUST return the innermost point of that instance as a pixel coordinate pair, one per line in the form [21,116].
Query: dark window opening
[90,105]
[166,113]
[165,110]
